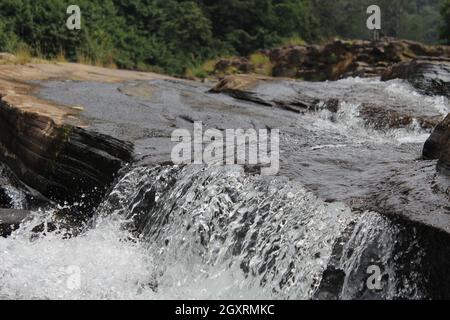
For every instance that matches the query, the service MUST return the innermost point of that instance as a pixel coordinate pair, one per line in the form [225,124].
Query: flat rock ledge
[48,146]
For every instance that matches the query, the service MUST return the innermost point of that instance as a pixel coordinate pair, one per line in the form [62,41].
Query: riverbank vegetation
[178,36]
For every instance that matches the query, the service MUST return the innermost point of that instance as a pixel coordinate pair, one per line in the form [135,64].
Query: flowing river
[199,232]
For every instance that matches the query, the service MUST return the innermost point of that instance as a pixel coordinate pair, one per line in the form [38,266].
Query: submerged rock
[299,97]
[5,200]
[384,116]
[430,76]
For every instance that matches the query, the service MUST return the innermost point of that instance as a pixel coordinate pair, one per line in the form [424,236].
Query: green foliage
[201,71]
[142,34]
[247,25]
[262,64]
[445,34]
[176,35]
[410,19]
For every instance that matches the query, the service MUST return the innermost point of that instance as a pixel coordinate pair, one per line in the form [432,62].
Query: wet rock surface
[47,146]
[352,190]
[341,139]
[430,76]
[438,146]
[14,194]
[379,112]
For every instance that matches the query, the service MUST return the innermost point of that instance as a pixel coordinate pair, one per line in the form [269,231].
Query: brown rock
[48,146]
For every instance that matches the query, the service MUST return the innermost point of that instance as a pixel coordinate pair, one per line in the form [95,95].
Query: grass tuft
[23,54]
[61,56]
[201,71]
[294,41]
[261,63]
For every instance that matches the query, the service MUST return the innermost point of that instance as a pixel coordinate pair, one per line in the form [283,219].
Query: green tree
[445,34]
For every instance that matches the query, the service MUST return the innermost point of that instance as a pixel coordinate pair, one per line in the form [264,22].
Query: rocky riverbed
[87,183]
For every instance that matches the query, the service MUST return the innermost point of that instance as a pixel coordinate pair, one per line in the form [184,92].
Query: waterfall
[212,232]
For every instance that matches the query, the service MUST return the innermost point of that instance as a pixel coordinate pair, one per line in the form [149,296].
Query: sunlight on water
[265,239]
[106,263]
[109,263]
[218,232]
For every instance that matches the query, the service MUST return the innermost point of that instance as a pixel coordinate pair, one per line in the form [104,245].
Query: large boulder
[430,76]
[438,146]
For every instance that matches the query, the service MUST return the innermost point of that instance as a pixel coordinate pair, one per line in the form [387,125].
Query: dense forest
[171,35]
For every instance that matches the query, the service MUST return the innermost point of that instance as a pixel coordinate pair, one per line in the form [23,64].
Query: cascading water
[205,233]
[169,232]
[278,235]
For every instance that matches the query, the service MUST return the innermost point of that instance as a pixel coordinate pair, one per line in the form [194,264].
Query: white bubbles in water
[279,233]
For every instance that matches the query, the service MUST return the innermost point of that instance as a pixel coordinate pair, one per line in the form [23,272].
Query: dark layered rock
[382,116]
[15,194]
[438,145]
[63,162]
[430,76]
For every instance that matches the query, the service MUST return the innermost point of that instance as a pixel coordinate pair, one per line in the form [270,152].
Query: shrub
[261,63]
[23,54]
